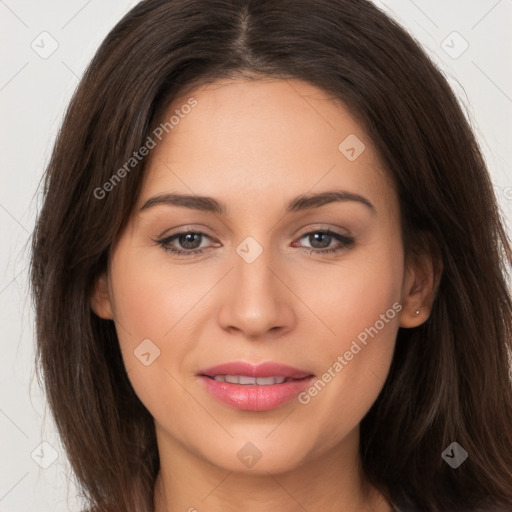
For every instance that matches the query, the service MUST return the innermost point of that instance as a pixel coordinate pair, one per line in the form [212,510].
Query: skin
[254,146]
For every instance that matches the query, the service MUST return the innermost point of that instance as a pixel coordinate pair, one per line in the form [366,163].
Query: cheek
[351,295]
[152,297]
[156,303]
[360,304]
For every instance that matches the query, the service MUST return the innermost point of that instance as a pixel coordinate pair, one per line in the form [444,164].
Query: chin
[255,455]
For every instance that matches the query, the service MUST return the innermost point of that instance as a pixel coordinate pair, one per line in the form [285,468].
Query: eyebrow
[302,202]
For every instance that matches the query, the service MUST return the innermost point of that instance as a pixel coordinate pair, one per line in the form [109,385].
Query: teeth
[245,380]
[267,381]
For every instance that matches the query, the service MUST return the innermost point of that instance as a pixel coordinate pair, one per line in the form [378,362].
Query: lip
[249,370]
[255,397]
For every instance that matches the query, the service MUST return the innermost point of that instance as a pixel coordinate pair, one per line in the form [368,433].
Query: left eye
[320,241]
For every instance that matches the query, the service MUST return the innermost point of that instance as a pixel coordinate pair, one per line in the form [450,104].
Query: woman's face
[280,270]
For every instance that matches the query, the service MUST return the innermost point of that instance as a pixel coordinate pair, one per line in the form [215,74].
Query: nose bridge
[257,301]
[252,271]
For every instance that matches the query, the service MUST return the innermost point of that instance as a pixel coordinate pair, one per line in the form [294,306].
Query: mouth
[245,380]
[255,388]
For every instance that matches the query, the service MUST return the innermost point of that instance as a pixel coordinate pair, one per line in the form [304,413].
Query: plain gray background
[469,39]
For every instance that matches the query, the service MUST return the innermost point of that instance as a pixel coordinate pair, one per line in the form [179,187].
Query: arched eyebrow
[299,203]
[305,202]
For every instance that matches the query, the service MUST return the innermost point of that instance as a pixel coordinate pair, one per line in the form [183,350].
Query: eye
[189,243]
[321,241]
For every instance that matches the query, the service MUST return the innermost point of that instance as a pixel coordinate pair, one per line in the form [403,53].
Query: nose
[257,301]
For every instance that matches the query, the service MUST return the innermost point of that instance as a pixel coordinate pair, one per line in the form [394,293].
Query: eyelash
[346,242]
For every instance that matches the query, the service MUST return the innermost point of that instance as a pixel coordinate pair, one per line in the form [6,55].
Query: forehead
[262,140]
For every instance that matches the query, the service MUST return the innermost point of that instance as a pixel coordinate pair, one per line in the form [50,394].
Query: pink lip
[250,370]
[255,397]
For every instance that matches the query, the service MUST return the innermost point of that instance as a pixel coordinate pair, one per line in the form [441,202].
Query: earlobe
[419,290]
[100,299]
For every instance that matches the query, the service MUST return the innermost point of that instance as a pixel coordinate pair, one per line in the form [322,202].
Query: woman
[269,271]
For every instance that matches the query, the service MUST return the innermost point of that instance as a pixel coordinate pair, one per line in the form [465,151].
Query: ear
[421,281]
[100,299]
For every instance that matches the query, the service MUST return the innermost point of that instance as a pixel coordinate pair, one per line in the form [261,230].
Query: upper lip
[268,369]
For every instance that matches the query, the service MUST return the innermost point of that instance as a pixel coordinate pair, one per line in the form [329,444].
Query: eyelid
[324,227]
[185,228]
[177,234]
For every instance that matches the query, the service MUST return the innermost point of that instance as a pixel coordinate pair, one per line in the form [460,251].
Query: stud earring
[417,312]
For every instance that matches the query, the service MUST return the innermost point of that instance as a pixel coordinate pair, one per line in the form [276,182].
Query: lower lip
[254,397]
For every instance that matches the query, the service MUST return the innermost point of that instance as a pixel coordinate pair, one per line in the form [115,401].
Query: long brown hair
[450,378]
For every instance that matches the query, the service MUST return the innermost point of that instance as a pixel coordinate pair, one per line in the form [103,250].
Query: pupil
[187,241]
[323,238]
